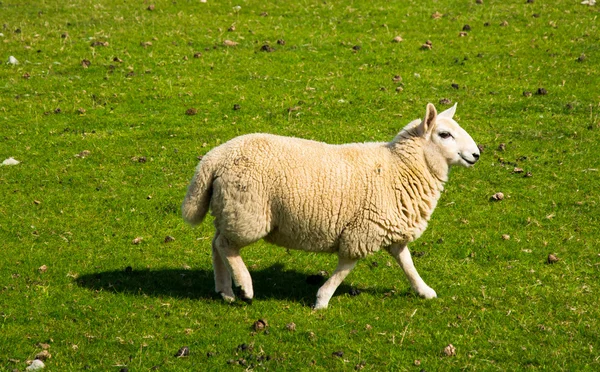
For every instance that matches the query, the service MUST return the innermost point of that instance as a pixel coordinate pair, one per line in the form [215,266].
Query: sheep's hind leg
[402,256]
[345,265]
[222,275]
[236,267]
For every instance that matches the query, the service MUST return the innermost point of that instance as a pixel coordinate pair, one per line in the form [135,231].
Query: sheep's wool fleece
[353,199]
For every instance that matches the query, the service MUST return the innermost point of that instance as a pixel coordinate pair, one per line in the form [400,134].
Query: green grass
[499,304]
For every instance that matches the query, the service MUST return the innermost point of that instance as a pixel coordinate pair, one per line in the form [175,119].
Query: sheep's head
[447,139]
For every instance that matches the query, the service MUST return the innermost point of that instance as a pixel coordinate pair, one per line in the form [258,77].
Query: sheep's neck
[419,186]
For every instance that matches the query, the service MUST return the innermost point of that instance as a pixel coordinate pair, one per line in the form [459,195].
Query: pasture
[111,104]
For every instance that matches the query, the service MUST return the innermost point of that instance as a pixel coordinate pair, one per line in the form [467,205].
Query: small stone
[478,1]
[397,39]
[64,35]
[455,86]
[197,55]
[445,101]
[44,346]
[83,154]
[291,326]
[528,174]
[37,202]
[137,240]
[399,89]
[81,111]
[231,28]
[150,7]
[36,365]
[360,365]
[146,44]
[191,111]
[338,353]
[417,362]
[356,48]
[117,59]
[502,147]
[12,60]
[505,237]
[43,355]
[43,268]
[280,42]
[518,170]
[498,196]
[141,159]
[259,325]
[466,28]
[229,43]
[183,352]
[169,239]
[462,34]
[57,110]
[397,78]
[552,259]
[236,107]
[26,75]
[99,43]
[542,91]
[436,15]
[527,94]
[10,161]
[244,347]
[450,350]
[504,23]
[267,48]
[581,58]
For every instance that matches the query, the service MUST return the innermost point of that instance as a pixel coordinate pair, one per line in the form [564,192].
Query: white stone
[10,161]
[36,365]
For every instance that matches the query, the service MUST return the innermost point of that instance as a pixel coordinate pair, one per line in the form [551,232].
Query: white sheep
[351,199]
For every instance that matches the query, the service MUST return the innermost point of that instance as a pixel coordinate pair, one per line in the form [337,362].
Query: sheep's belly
[313,242]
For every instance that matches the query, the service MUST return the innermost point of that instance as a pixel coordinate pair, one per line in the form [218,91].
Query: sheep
[350,199]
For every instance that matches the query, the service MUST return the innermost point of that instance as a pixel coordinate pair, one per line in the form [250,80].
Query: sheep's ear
[426,126]
[449,113]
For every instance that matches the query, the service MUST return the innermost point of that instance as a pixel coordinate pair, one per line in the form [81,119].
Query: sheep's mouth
[471,162]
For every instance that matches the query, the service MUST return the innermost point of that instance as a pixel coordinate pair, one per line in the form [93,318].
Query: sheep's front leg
[345,265]
[230,255]
[402,256]
[222,275]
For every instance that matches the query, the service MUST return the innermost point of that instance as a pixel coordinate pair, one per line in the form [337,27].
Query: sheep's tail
[197,200]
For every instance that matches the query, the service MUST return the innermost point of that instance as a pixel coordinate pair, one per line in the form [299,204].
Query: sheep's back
[296,193]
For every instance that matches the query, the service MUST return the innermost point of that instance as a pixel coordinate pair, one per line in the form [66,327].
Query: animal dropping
[351,200]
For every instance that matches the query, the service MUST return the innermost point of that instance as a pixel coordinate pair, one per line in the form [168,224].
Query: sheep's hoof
[427,293]
[317,307]
[227,298]
[247,300]
[242,295]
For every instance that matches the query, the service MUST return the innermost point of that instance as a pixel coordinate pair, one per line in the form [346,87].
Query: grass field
[97,110]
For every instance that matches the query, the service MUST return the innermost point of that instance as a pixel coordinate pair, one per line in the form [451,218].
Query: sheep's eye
[444,135]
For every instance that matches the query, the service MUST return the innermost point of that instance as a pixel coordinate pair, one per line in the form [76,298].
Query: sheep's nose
[476,156]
